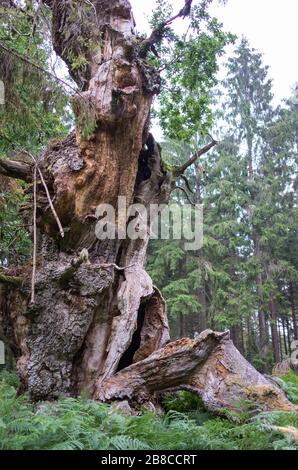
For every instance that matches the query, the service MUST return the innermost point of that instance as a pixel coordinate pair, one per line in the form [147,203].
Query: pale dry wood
[209,366]
[61,231]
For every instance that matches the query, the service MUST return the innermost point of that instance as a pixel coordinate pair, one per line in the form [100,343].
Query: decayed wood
[15,169]
[95,325]
[72,325]
[112,111]
[181,169]
[209,366]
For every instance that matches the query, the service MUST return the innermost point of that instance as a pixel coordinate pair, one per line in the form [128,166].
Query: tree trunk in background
[189,326]
[242,339]
[264,339]
[280,343]
[284,335]
[261,314]
[267,329]
[237,337]
[202,298]
[274,330]
[288,334]
[293,294]
[97,319]
[201,291]
[181,325]
[249,338]
[249,141]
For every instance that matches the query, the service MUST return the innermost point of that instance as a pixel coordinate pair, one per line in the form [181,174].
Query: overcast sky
[270,25]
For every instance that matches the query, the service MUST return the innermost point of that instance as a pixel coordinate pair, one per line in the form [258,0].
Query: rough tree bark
[94,316]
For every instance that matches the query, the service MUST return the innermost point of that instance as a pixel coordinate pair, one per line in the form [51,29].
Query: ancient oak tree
[96,321]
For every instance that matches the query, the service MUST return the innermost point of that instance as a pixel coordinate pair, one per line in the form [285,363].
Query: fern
[128,443]
[79,423]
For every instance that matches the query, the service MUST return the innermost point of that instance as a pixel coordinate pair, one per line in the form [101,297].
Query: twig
[185,11]
[51,204]
[109,265]
[183,190]
[88,2]
[41,69]
[12,242]
[13,28]
[168,64]
[48,194]
[34,235]
[187,183]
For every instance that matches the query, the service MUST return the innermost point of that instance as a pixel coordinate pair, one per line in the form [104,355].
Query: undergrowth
[84,424]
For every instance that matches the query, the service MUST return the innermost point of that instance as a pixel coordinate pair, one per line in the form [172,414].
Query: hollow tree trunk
[85,314]
[96,313]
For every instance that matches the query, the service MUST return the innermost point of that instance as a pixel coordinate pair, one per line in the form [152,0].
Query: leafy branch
[157,34]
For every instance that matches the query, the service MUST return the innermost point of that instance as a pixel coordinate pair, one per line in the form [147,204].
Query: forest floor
[84,424]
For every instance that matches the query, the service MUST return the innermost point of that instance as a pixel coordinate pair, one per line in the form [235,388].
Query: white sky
[271,27]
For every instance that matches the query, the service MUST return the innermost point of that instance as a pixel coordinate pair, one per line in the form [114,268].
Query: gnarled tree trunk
[97,321]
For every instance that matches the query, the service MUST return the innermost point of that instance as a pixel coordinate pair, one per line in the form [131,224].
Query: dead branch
[70,271]
[38,67]
[17,170]
[178,171]
[51,204]
[47,193]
